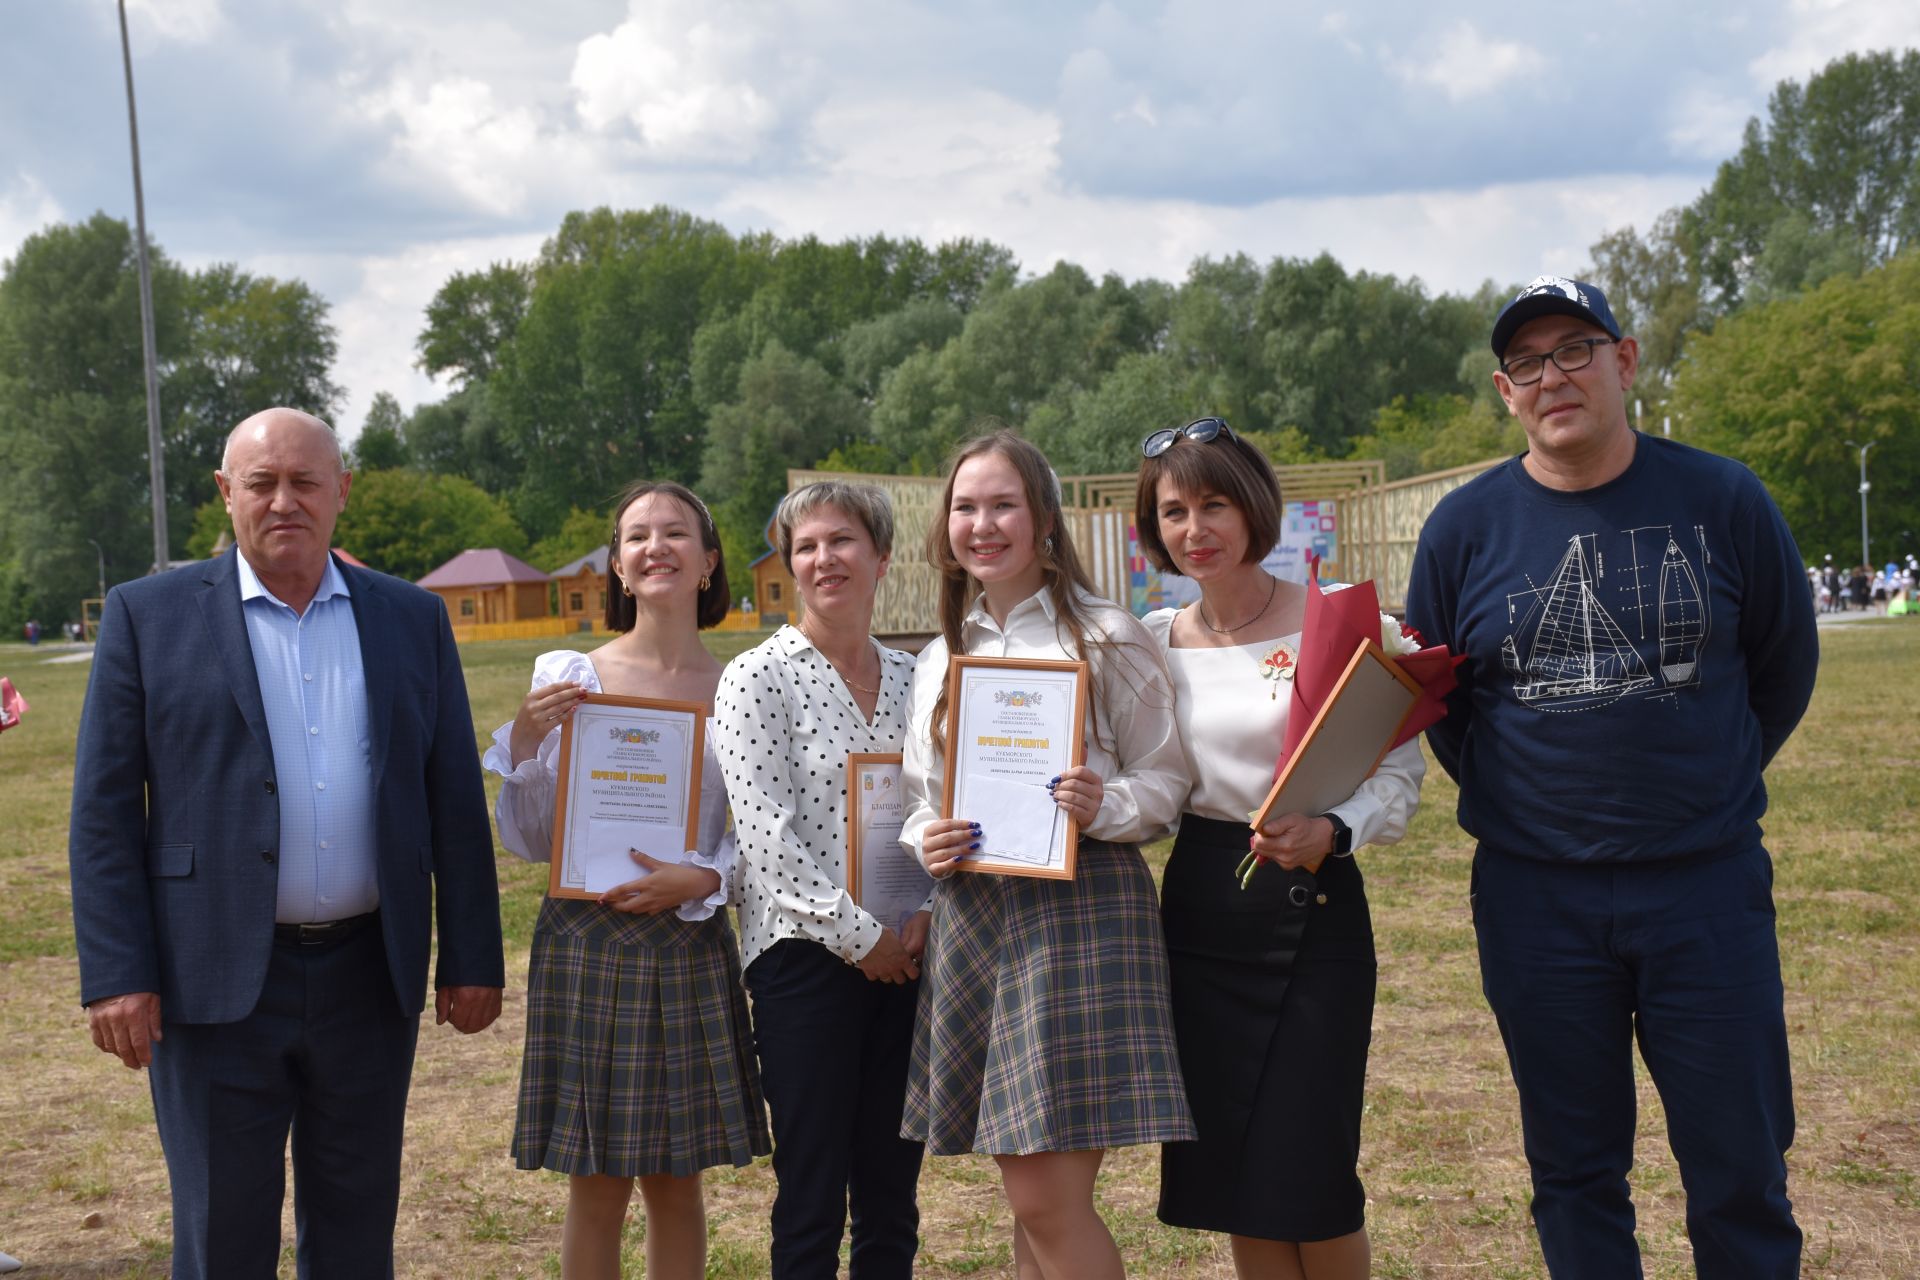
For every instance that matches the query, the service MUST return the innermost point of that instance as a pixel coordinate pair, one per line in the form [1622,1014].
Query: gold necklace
[1227,631]
[851,682]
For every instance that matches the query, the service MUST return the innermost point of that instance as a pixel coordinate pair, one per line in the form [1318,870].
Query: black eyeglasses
[1524,371]
[1200,431]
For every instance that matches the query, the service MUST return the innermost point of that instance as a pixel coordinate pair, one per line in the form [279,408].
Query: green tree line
[1776,314]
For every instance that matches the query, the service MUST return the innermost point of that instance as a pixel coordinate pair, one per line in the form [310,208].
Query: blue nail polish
[974,846]
[1055,781]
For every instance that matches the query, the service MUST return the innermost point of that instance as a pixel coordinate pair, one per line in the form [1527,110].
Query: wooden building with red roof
[582,587]
[488,585]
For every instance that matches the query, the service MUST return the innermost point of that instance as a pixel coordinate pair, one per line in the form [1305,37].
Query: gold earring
[705,581]
[626,590]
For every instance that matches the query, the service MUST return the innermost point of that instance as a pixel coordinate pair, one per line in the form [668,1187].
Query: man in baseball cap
[1640,642]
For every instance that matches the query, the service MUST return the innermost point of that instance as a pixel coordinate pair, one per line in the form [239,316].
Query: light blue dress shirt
[314,689]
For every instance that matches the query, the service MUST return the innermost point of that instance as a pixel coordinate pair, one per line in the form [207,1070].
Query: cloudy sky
[373,148]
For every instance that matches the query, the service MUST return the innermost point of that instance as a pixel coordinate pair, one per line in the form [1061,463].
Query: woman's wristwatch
[1342,836]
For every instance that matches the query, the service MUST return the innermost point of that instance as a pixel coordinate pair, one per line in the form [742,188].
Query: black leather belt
[316,935]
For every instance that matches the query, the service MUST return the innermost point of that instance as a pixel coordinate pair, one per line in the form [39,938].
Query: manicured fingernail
[1055,781]
[975,845]
[975,827]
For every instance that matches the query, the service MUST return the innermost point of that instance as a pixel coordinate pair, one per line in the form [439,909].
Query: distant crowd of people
[1887,590]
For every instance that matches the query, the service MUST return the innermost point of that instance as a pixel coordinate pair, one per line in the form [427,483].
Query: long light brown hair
[1063,574]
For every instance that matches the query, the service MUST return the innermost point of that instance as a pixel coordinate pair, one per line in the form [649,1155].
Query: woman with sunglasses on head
[833,988]
[1273,985]
[637,1065]
[1043,1034]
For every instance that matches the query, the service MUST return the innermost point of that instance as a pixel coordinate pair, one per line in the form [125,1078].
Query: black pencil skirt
[1273,1011]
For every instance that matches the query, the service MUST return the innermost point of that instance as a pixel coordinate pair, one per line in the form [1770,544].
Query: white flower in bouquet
[1395,640]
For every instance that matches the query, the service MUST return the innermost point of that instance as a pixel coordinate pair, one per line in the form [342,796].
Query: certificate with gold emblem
[1014,725]
[629,778]
[887,881]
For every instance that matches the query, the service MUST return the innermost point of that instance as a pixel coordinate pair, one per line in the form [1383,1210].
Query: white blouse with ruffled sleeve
[1132,741]
[1233,718]
[525,808]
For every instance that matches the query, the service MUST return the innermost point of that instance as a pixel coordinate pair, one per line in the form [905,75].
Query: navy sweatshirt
[1636,653]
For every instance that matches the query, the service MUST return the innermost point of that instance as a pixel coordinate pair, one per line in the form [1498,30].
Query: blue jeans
[1577,961]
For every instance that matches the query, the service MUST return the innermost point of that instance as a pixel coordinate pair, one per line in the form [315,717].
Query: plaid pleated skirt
[1043,1022]
[639,1055]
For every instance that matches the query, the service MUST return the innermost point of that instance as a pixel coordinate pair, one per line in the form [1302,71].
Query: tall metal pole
[156,453]
[1866,557]
[101,553]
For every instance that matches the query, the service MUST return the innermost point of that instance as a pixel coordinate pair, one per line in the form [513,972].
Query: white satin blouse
[1232,721]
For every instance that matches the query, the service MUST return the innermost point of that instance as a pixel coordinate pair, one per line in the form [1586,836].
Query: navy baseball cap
[1553,296]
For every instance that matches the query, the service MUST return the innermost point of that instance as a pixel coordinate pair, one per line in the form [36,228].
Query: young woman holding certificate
[833,987]
[1272,985]
[637,1064]
[1043,1034]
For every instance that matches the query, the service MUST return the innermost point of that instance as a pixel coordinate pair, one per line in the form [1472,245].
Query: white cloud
[1465,64]
[981,165]
[705,82]
[1339,26]
[188,21]
[1818,31]
[25,207]
[1705,124]
[452,132]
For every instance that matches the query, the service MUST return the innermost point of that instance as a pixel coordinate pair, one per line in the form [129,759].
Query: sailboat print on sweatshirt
[1683,618]
[1568,653]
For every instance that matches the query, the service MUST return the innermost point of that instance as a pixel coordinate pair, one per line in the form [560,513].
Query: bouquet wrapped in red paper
[12,705]
[1336,625]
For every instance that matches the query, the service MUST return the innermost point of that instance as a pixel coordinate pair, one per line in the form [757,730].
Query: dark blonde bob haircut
[866,503]
[714,599]
[1226,465]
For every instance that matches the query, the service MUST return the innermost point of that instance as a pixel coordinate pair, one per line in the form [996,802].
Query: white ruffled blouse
[525,808]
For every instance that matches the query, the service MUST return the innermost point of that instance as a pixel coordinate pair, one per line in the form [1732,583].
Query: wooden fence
[1378,523]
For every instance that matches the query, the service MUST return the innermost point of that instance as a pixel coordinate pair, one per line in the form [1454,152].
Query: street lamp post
[1866,557]
[156,452]
[103,568]
[84,623]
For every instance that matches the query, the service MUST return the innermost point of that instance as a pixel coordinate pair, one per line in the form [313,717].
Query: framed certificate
[629,778]
[886,880]
[1346,741]
[1014,725]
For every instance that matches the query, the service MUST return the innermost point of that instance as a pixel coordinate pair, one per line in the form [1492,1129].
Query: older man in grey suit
[276,785]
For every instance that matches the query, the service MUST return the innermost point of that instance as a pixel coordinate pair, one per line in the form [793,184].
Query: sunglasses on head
[1200,431]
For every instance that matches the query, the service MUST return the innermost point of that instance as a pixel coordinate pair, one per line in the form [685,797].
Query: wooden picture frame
[887,883]
[1349,737]
[634,782]
[1014,724]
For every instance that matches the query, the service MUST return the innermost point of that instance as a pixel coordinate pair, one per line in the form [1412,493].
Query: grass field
[83,1188]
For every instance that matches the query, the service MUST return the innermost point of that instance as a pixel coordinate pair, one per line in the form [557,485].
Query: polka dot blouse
[784,723]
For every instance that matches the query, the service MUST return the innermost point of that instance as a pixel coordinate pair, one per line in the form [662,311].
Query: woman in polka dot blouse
[833,988]
[637,1064]
[1043,1034]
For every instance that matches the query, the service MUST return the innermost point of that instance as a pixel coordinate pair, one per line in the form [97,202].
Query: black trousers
[833,1062]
